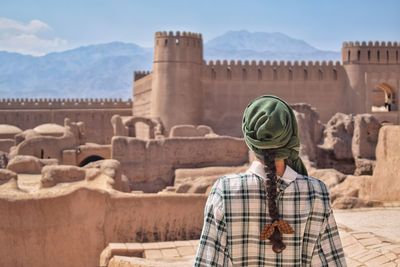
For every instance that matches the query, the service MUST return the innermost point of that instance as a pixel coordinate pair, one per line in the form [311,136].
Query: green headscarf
[269,124]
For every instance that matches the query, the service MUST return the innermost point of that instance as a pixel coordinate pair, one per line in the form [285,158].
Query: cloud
[34,38]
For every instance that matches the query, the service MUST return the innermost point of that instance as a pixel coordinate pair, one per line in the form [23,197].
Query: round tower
[362,60]
[176,90]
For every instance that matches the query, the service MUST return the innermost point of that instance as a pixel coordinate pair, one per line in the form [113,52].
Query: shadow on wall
[90,159]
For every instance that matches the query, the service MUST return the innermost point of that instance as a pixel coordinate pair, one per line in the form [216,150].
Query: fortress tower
[177,65]
[373,71]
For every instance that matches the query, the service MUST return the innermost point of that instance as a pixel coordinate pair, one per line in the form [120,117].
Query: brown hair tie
[282,225]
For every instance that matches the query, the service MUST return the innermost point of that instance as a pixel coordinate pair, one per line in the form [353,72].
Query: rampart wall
[64,103]
[95,113]
[229,86]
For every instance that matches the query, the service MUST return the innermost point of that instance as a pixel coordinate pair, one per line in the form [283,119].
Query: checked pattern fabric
[236,214]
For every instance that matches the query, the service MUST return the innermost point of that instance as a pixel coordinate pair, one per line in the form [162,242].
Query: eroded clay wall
[71,229]
[386,177]
[142,94]
[229,86]
[150,165]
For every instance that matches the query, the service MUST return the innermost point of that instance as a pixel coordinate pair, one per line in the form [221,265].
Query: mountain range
[106,70]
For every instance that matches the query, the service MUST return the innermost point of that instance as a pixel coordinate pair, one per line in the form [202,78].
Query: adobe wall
[386,177]
[71,228]
[228,88]
[28,113]
[79,155]
[150,165]
[142,94]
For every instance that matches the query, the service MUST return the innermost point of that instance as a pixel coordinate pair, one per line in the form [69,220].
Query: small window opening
[334,74]
[213,74]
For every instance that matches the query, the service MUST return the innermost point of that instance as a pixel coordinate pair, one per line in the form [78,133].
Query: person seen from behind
[273,214]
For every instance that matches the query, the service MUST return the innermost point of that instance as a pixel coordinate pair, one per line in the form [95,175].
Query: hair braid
[270,170]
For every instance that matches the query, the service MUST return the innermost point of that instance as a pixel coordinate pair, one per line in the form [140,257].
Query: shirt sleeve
[328,250]
[212,250]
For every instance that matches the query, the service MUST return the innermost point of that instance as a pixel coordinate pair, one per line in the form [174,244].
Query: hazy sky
[40,26]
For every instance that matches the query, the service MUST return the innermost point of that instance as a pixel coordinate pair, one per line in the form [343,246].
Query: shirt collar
[257,168]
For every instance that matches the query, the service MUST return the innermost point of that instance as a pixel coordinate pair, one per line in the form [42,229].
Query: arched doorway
[89,159]
[383,98]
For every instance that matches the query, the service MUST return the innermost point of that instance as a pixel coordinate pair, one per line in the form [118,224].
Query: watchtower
[370,67]
[381,53]
[176,89]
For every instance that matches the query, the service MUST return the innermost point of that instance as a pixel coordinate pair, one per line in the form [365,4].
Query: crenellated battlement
[64,103]
[371,52]
[178,34]
[272,70]
[260,63]
[140,74]
[371,44]
[178,47]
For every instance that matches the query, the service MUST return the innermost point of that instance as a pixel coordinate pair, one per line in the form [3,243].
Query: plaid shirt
[236,212]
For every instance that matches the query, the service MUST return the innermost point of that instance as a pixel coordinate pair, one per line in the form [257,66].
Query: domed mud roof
[50,128]
[9,129]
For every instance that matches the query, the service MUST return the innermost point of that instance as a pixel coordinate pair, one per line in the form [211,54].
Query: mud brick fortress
[184,89]
[98,182]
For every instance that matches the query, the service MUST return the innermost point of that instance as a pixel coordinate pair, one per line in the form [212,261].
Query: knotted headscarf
[269,124]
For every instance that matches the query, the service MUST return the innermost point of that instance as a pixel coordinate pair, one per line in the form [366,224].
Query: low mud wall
[72,228]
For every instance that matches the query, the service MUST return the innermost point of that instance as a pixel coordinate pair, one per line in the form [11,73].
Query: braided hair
[270,170]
